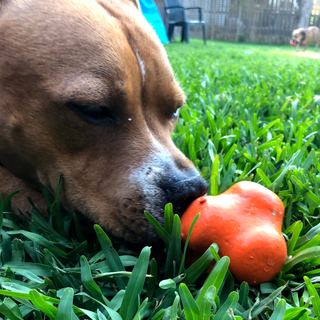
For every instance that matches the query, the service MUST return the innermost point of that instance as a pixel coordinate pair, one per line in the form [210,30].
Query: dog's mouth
[133,227]
[294,42]
[182,207]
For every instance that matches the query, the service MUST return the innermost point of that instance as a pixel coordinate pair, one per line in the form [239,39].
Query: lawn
[252,113]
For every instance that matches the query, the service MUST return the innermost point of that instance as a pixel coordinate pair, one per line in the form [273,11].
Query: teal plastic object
[152,15]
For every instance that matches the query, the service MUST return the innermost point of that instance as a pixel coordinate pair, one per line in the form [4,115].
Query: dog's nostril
[198,188]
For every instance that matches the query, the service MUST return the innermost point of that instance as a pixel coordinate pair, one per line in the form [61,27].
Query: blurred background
[264,21]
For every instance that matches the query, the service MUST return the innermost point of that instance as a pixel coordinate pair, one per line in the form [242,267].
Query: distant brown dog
[305,37]
[86,91]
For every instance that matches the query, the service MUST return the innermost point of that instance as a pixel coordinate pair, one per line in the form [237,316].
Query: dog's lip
[130,235]
[179,210]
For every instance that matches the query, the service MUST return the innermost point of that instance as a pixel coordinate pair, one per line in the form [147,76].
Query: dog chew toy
[293,43]
[245,222]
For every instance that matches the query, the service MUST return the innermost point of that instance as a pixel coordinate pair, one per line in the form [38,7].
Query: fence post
[239,21]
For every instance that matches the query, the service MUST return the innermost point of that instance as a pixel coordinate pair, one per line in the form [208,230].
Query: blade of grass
[215,278]
[313,292]
[297,228]
[165,236]
[152,281]
[308,195]
[129,304]
[190,307]
[230,303]
[244,295]
[39,240]
[174,309]
[112,314]
[10,309]
[112,257]
[174,251]
[7,202]
[159,315]
[256,309]
[65,311]
[206,304]
[42,305]
[305,254]
[89,283]
[214,176]
[198,267]
[168,217]
[279,311]
[186,243]
[275,186]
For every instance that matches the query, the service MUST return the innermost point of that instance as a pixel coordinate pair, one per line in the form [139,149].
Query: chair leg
[204,34]
[186,32]
[170,31]
[182,33]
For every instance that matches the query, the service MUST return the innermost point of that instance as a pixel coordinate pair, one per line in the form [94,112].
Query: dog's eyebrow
[180,96]
[119,91]
[95,89]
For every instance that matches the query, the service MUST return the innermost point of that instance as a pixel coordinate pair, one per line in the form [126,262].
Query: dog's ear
[135,2]
[303,32]
[3,2]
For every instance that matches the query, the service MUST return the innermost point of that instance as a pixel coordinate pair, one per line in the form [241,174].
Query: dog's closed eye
[175,114]
[95,114]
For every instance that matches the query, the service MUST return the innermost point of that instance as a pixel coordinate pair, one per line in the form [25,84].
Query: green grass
[253,113]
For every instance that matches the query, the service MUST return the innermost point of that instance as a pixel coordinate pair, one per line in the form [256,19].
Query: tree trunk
[305,7]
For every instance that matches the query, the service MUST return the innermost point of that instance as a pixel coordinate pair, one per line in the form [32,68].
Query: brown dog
[305,37]
[86,91]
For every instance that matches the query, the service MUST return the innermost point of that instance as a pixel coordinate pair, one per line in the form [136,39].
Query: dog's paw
[9,184]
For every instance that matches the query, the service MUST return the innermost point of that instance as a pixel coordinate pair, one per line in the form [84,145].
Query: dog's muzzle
[181,188]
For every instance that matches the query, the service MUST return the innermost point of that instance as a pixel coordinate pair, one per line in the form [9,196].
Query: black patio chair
[177,18]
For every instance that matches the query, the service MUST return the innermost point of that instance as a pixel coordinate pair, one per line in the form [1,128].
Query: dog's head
[298,35]
[87,92]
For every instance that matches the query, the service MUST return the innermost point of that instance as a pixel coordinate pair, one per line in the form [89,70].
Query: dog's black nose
[182,189]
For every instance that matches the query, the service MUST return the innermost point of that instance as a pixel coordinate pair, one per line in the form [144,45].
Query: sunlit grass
[252,113]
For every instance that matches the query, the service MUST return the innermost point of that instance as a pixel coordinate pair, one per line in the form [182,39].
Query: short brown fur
[86,51]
